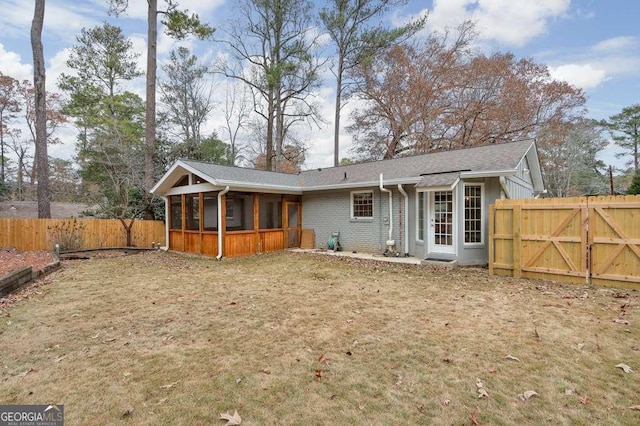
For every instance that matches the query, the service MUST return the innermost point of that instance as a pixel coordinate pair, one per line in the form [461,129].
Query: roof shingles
[489,158]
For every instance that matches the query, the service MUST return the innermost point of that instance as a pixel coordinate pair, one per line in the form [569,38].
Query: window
[362,205]
[239,211]
[176,211]
[270,211]
[192,212]
[210,211]
[473,213]
[197,179]
[420,216]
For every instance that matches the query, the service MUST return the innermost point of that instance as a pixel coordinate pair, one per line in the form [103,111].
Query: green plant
[634,188]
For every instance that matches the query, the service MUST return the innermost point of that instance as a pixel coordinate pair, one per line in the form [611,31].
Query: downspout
[383,189]
[406,219]
[167,222]
[220,230]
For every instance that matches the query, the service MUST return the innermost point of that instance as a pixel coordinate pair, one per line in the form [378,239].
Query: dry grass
[300,339]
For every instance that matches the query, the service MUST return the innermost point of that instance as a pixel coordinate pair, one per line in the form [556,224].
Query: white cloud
[617,44]
[57,66]
[584,76]
[11,65]
[505,21]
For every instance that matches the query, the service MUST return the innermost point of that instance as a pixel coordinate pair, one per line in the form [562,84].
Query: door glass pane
[443,217]
[292,214]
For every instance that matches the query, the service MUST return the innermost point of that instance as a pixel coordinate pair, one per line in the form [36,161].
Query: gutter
[220,230]
[383,189]
[406,219]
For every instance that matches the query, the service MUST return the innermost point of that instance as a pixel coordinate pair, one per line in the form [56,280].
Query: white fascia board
[258,187]
[488,173]
[170,172]
[440,187]
[375,183]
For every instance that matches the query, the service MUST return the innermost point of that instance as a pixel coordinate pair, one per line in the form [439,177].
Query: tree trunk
[42,163]
[150,128]
[127,230]
[336,128]
[2,177]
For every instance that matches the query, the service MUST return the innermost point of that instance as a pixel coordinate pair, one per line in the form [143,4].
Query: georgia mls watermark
[31,415]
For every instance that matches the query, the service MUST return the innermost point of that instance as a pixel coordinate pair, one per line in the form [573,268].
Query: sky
[591,44]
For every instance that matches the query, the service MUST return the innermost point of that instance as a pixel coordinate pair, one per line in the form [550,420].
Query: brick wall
[330,211]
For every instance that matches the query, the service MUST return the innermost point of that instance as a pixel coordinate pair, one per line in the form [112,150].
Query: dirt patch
[12,259]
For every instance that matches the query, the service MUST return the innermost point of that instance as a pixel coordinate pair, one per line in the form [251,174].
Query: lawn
[161,338]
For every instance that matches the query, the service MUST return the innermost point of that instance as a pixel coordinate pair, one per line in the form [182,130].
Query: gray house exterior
[431,206]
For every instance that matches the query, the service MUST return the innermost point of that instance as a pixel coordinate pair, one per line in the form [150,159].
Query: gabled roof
[426,170]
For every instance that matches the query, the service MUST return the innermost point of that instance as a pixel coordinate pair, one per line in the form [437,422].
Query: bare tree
[39,79]
[348,23]
[273,45]
[9,106]
[236,110]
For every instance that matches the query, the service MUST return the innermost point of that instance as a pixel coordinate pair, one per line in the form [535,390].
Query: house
[431,206]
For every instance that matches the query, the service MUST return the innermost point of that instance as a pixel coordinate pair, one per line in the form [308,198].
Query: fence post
[517,241]
[492,232]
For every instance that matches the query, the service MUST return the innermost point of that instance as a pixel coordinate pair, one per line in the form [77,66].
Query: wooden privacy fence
[43,234]
[588,240]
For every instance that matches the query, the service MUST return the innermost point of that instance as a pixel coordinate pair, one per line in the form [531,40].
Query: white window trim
[424,215]
[482,211]
[372,205]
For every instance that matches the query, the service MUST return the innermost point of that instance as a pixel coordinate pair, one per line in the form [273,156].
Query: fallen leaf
[584,400]
[234,420]
[492,370]
[621,321]
[318,374]
[512,358]
[170,385]
[635,407]
[474,419]
[162,401]
[60,358]
[447,360]
[420,408]
[527,395]
[625,368]
[266,371]
[446,402]
[127,412]
[323,358]
[482,392]
[113,339]
[580,346]
[568,392]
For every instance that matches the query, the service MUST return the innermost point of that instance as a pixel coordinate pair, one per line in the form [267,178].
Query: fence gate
[581,240]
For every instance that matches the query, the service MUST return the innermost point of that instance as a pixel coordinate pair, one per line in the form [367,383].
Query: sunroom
[227,218]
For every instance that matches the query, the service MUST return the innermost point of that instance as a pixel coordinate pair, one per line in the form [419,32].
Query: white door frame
[442,226]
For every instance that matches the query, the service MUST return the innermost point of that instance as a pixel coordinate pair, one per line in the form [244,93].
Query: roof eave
[488,173]
[367,184]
